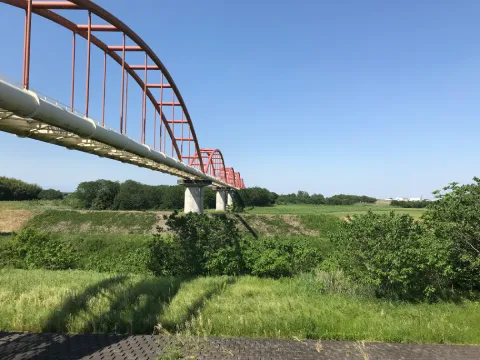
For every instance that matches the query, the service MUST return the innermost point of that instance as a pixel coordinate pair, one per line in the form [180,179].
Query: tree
[392,253]
[50,194]
[13,189]
[454,218]
[98,194]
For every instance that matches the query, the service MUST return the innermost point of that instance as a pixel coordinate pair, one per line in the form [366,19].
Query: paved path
[105,347]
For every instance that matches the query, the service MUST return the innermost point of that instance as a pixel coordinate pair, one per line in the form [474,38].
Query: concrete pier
[221,197]
[194,194]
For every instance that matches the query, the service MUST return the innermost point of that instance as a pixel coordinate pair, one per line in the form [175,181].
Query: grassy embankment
[302,307]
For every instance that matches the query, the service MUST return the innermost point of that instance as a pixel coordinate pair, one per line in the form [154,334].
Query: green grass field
[302,307]
[337,210]
[67,221]
[33,205]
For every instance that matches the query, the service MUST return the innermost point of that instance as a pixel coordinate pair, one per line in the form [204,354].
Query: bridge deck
[89,346]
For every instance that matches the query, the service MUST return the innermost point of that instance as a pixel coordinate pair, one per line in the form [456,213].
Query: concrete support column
[194,194]
[229,199]
[221,204]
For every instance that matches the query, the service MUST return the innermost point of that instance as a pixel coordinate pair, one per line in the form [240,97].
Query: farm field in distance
[336,210]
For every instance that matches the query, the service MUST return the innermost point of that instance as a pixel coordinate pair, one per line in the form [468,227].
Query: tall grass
[315,306]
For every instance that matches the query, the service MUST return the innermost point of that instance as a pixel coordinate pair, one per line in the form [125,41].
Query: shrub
[279,257]
[50,194]
[201,245]
[409,204]
[394,253]
[454,218]
[38,250]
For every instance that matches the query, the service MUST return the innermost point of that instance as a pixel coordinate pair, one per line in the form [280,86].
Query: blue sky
[372,97]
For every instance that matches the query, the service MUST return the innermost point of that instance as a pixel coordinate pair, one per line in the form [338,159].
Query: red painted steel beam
[55,5]
[170,103]
[142,67]
[158,86]
[98,28]
[127,48]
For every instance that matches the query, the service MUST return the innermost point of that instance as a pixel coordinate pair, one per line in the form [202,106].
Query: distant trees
[409,204]
[130,195]
[50,194]
[343,199]
[17,190]
[303,197]
[257,196]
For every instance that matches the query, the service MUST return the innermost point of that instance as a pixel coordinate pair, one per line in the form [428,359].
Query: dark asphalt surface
[105,347]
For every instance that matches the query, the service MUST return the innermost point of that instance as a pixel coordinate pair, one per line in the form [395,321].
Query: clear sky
[366,97]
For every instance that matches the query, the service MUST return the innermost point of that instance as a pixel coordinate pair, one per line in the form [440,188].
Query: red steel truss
[174,134]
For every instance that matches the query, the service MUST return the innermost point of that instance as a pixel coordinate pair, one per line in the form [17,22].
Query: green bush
[38,250]
[394,253]
[201,245]
[454,218]
[50,194]
[279,257]
[410,204]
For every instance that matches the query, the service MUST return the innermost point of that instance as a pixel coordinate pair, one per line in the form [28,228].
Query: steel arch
[44,9]
[209,162]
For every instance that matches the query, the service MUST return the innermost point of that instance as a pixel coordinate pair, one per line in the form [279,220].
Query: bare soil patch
[13,220]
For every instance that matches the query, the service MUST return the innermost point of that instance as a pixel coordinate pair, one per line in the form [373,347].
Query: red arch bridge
[168,142]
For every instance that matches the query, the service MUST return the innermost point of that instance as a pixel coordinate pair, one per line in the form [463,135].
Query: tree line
[303,197]
[16,190]
[132,195]
[409,204]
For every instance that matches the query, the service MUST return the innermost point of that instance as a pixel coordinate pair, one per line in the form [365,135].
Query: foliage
[13,189]
[410,204]
[454,218]
[256,196]
[50,194]
[35,250]
[303,197]
[394,253]
[201,245]
[279,257]
[97,195]
[343,199]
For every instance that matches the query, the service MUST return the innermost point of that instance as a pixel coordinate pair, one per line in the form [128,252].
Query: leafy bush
[201,245]
[410,204]
[38,250]
[50,194]
[279,257]
[394,253]
[454,218]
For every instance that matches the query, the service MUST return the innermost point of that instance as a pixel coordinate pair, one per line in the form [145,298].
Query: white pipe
[27,104]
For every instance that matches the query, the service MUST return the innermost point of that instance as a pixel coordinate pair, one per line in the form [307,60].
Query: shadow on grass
[247,226]
[74,304]
[197,305]
[138,308]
